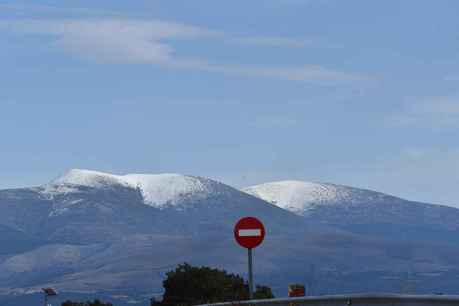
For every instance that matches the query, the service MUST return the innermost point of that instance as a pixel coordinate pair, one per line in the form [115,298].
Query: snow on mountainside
[360,210]
[161,203]
[302,197]
[93,231]
[158,190]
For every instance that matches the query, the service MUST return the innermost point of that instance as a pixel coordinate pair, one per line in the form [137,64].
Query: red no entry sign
[249,232]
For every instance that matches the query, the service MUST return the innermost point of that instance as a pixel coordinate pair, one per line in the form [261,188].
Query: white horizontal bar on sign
[249,232]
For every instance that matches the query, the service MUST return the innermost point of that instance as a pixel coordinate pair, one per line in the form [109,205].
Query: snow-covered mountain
[160,190]
[91,206]
[361,210]
[303,197]
[89,230]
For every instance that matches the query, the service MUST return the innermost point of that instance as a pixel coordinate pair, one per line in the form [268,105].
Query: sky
[360,93]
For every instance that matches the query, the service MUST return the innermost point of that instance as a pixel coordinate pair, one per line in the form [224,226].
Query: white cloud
[118,40]
[114,40]
[283,42]
[50,9]
[276,42]
[311,73]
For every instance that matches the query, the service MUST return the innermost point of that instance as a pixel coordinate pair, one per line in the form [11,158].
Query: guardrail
[354,300]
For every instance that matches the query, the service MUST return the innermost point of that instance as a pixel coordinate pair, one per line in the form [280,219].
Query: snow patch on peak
[301,197]
[88,178]
[158,190]
[168,188]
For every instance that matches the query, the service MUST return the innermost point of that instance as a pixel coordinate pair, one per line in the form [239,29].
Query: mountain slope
[92,223]
[117,234]
[87,207]
[362,211]
[304,197]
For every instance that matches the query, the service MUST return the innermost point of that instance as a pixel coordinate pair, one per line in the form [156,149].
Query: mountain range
[89,232]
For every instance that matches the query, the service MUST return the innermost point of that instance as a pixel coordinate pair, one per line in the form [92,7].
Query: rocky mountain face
[89,232]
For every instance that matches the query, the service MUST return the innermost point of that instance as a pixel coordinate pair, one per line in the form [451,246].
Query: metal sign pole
[250,274]
[249,232]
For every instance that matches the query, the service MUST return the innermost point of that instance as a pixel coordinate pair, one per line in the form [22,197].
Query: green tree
[88,303]
[263,292]
[188,285]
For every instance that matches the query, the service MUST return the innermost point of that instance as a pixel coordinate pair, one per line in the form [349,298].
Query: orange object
[296,290]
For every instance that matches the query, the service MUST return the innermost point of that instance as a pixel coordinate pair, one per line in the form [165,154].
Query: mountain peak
[301,197]
[157,189]
[89,178]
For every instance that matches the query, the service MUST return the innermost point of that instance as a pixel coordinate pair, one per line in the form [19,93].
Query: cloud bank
[118,40]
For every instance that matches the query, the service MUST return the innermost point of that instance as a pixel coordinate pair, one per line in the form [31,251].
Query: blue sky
[361,93]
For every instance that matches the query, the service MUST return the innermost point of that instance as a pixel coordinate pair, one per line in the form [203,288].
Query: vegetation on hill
[189,285]
[88,303]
